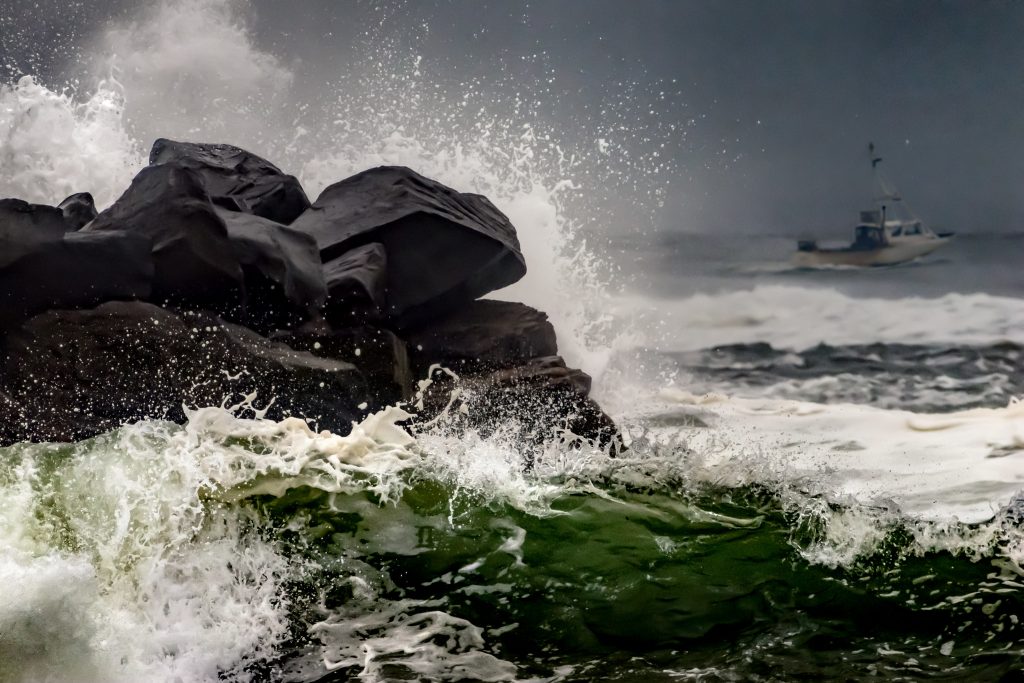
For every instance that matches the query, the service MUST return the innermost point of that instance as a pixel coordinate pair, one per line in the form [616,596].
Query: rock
[284,280]
[237,179]
[23,224]
[78,210]
[74,374]
[76,270]
[539,400]
[356,284]
[483,335]
[378,353]
[444,248]
[245,267]
[195,261]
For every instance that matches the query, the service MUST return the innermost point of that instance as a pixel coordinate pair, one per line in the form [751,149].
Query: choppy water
[823,478]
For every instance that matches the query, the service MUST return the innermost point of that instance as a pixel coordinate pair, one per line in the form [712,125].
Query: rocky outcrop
[444,248]
[69,375]
[236,179]
[364,295]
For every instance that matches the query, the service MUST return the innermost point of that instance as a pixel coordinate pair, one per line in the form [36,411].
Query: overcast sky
[773,103]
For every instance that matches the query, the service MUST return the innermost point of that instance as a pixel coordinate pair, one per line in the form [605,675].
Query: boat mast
[887,192]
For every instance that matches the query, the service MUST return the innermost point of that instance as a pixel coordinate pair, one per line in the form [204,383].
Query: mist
[744,117]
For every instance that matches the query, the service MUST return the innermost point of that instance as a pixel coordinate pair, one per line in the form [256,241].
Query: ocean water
[823,475]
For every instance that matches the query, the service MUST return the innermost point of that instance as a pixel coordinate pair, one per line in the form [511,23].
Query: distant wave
[797,318]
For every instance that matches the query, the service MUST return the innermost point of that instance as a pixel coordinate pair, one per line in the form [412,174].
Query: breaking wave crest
[237,549]
[797,318]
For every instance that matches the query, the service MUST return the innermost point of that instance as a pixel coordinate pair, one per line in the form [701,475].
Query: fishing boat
[885,236]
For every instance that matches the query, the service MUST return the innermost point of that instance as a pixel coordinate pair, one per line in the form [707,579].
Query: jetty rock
[444,248]
[237,179]
[483,335]
[42,265]
[78,210]
[502,358]
[247,268]
[70,375]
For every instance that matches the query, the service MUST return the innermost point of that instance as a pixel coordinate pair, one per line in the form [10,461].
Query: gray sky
[765,108]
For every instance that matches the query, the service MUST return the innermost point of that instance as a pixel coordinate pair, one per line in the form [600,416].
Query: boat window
[897,231]
[914,229]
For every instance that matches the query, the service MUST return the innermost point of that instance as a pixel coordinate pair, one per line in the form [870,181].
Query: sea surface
[822,481]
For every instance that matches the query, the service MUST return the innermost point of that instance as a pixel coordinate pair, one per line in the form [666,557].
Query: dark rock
[444,248]
[78,210]
[74,374]
[284,280]
[77,270]
[483,335]
[378,353]
[23,224]
[195,261]
[245,267]
[356,284]
[540,400]
[236,179]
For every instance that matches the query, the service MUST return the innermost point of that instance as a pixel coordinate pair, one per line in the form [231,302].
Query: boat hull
[883,256]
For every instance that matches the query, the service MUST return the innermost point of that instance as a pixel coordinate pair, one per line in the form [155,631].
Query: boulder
[74,374]
[23,224]
[284,280]
[444,248]
[237,179]
[356,284]
[195,262]
[78,210]
[76,270]
[378,353]
[540,399]
[483,335]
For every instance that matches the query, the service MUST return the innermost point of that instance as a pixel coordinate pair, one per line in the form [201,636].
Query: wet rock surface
[282,274]
[76,270]
[237,179]
[357,284]
[75,374]
[483,335]
[534,402]
[78,210]
[23,224]
[444,248]
[194,262]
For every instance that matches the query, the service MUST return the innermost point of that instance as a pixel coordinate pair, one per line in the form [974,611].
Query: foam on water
[136,558]
[953,466]
[139,555]
[797,318]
